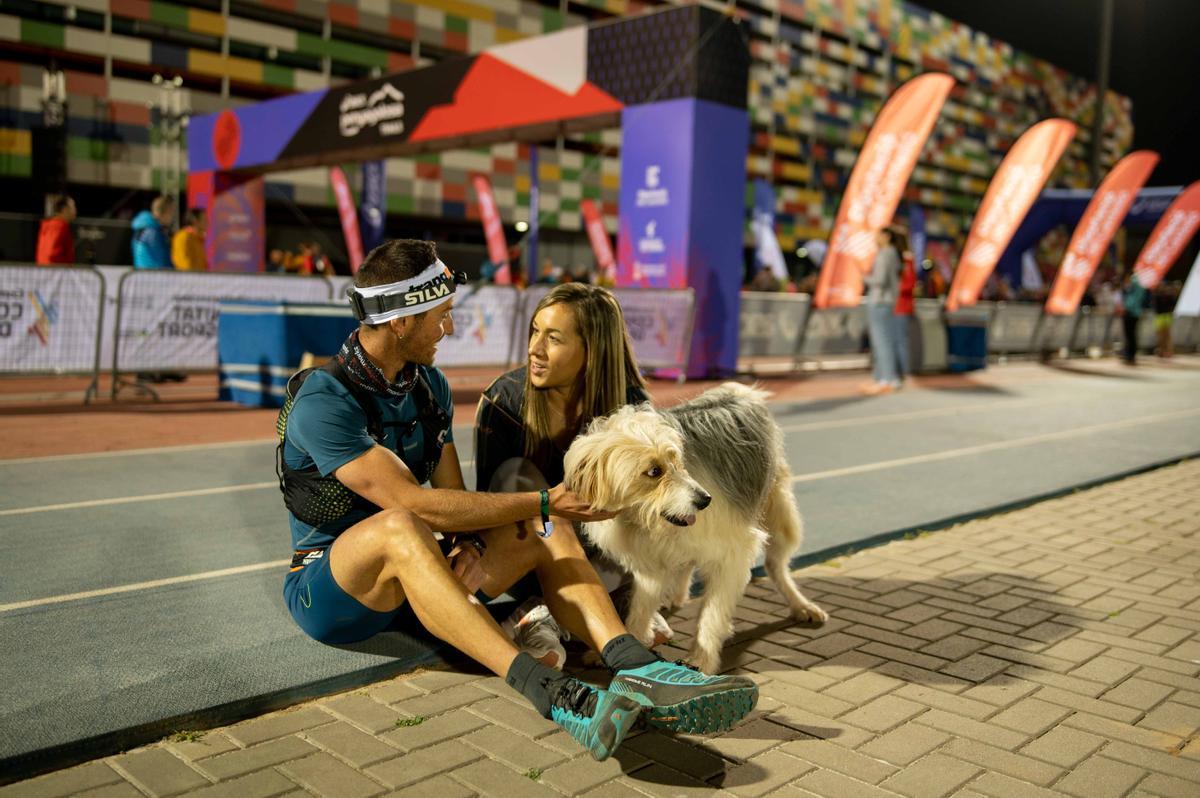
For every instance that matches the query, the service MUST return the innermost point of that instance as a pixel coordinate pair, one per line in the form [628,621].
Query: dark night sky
[1155,61]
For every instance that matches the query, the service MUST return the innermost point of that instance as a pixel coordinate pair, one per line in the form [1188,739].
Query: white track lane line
[174,580]
[949,454]
[931,412]
[187,447]
[150,497]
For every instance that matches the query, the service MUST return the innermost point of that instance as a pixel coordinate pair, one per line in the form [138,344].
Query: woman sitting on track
[581,366]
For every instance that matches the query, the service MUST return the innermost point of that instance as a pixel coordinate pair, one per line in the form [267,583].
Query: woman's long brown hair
[609,370]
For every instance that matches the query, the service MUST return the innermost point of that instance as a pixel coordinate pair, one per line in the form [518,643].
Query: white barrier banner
[169,319]
[483,327]
[770,323]
[659,324]
[49,319]
[339,284]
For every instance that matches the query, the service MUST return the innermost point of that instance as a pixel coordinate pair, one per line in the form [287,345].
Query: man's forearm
[457,510]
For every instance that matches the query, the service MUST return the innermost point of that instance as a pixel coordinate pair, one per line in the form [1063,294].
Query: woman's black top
[500,430]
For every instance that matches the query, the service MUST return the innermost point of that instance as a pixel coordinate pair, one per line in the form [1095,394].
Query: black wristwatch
[472,540]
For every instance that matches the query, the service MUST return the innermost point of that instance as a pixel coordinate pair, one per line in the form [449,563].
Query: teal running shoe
[598,719]
[680,698]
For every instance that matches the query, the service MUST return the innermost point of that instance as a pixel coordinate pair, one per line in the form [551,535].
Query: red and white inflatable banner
[1096,229]
[1012,191]
[349,216]
[1172,233]
[880,174]
[598,236]
[493,230]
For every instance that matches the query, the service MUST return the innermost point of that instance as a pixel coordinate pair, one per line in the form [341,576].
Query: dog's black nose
[702,500]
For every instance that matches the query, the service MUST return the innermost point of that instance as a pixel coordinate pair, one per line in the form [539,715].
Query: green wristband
[547,524]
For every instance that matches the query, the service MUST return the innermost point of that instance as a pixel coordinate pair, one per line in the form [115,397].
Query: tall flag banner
[373,210]
[348,215]
[1014,187]
[916,234]
[1172,233]
[493,230]
[880,174]
[1096,229]
[767,252]
[1189,297]
[606,264]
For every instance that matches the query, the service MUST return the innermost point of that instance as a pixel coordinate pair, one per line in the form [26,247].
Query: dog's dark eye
[655,472]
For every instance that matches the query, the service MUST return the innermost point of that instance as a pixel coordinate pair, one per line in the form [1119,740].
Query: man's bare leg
[392,557]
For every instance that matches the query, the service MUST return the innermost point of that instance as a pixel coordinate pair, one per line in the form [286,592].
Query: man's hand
[467,565]
[572,507]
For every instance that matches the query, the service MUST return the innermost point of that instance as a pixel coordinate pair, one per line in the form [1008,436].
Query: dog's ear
[588,466]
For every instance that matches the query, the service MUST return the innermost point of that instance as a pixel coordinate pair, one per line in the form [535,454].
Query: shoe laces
[576,696]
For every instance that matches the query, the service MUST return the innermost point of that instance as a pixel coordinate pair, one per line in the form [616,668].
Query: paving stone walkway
[1053,650]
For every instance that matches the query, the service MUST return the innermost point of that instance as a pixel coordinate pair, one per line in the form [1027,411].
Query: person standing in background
[881,284]
[1134,298]
[56,244]
[902,313]
[187,247]
[150,248]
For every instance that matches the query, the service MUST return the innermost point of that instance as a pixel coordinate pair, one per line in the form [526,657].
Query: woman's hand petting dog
[571,506]
[467,564]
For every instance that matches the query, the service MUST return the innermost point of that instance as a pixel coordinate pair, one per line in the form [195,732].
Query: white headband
[379,303]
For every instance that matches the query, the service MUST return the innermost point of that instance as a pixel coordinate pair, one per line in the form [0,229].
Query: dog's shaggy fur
[705,486]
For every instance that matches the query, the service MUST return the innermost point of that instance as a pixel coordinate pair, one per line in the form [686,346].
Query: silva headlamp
[430,288]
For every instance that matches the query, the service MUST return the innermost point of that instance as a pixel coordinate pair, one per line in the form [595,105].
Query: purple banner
[373,204]
[236,221]
[656,176]
[683,179]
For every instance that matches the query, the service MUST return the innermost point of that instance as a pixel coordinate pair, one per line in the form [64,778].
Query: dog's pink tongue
[688,520]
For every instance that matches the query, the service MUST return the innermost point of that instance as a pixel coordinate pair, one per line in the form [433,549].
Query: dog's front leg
[723,586]
[645,599]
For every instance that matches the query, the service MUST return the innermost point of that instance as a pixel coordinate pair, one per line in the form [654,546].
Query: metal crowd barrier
[166,321]
[51,321]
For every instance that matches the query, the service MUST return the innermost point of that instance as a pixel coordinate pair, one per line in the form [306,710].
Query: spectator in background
[549,273]
[902,312]
[187,247]
[150,248]
[56,243]
[881,284]
[277,261]
[1134,300]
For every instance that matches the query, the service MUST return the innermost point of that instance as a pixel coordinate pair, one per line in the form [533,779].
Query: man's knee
[397,532]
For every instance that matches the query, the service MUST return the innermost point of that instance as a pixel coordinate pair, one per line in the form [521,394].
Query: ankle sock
[624,652]
[533,680]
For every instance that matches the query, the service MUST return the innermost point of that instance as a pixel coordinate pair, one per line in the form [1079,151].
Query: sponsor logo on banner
[1096,229]
[876,185]
[383,108]
[47,316]
[1009,197]
[1172,233]
[654,194]
[12,310]
[650,243]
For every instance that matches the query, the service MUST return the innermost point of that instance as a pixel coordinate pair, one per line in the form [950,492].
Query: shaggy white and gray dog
[705,486]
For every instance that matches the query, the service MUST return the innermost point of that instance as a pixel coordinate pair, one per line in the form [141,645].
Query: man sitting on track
[361,437]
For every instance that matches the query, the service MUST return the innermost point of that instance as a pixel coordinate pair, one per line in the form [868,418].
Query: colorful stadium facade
[820,71]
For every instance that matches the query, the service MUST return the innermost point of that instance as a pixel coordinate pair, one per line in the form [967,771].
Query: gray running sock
[533,680]
[624,652]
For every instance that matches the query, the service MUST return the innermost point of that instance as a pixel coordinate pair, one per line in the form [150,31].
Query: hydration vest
[315,499]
